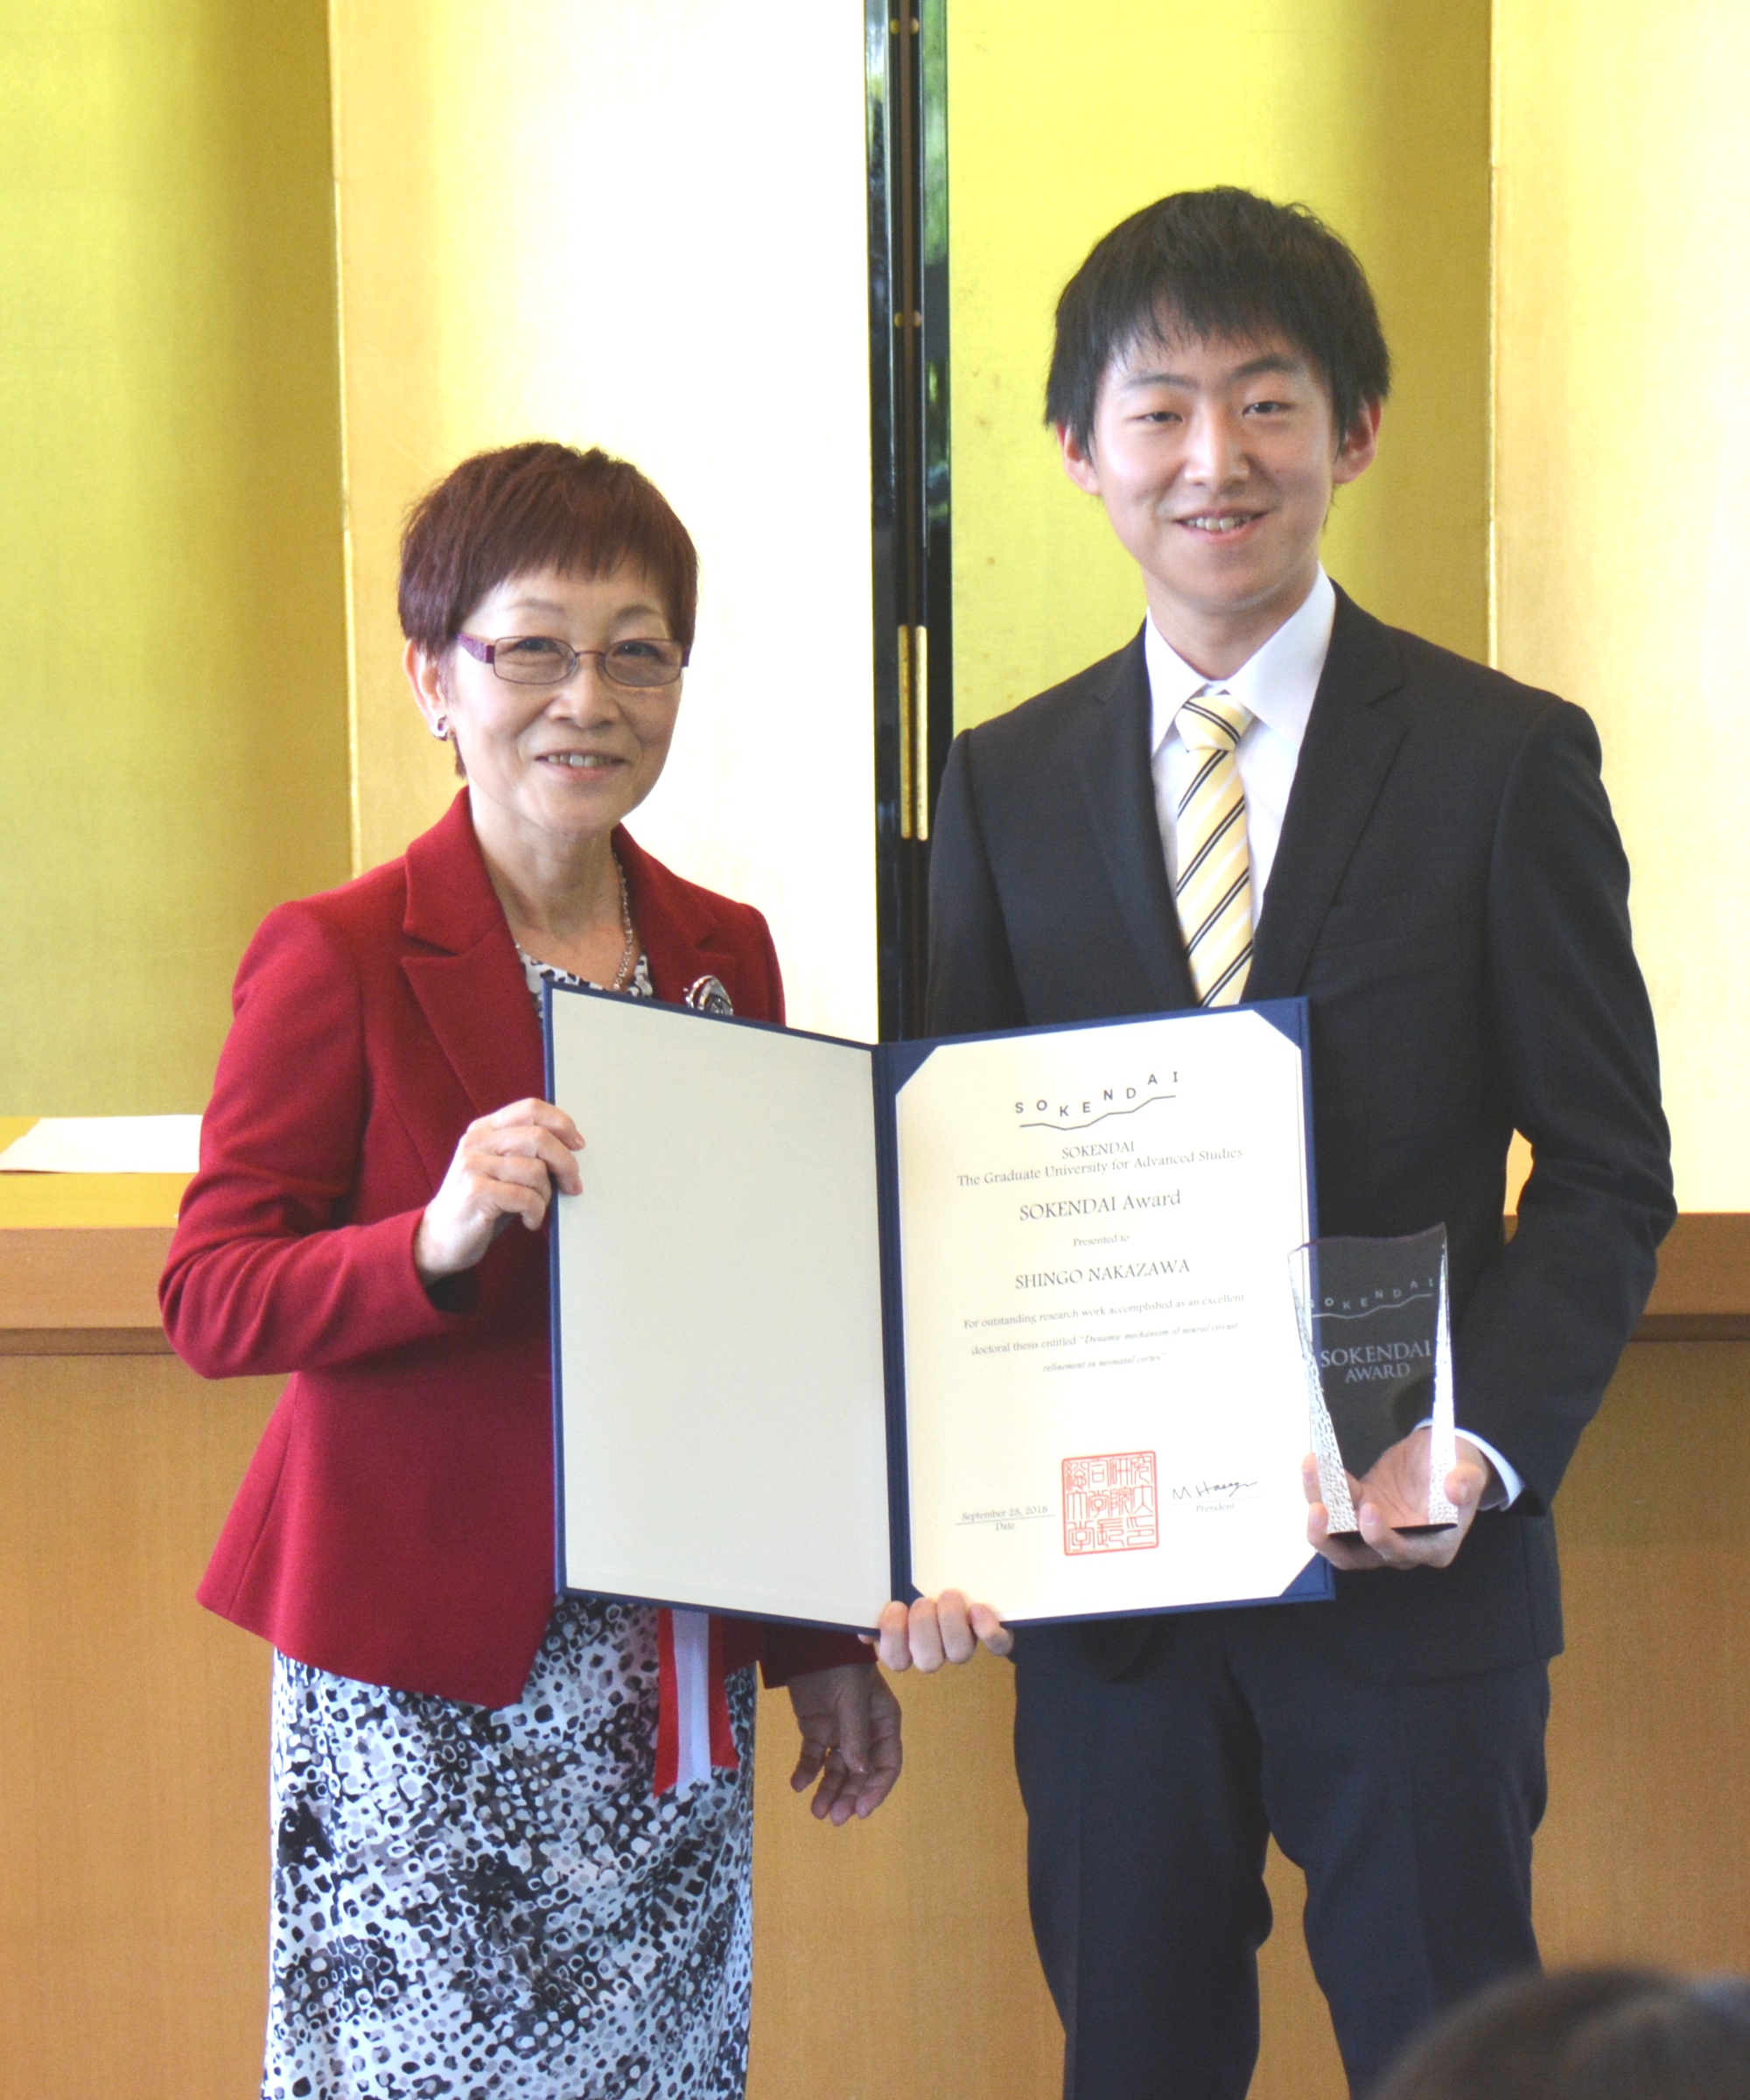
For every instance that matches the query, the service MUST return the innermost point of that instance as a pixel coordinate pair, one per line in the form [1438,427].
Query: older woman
[513,1835]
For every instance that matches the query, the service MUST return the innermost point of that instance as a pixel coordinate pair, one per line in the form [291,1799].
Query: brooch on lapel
[706,995]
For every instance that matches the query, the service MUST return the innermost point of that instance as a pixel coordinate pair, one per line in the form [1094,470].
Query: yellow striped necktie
[1215,886]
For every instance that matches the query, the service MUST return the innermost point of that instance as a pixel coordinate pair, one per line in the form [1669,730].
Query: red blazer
[395,1524]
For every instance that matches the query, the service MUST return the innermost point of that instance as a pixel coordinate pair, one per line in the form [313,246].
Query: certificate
[1011,1314]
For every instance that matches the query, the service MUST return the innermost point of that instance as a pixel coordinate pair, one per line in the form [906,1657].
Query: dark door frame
[905,61]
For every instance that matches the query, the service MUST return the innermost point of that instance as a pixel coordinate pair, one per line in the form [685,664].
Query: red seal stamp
[1109,1504]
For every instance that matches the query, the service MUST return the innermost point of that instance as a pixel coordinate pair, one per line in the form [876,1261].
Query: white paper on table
[106,1144]
[723,1396]
[1105,1399]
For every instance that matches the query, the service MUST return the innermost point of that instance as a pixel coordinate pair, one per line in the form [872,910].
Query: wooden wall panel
[1645,1852]
[133,1739]
[894,1959]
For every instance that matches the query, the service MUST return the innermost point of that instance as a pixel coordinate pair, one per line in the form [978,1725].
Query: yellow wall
[1623,519]
[169,454]
[1063,121]
[170,449]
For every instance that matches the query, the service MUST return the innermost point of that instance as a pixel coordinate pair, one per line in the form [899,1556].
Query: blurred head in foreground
[1586,2034]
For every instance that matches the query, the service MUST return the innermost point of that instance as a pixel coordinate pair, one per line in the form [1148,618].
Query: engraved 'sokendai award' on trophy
[1376,1339]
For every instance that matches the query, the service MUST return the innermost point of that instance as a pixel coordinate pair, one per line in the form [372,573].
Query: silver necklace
[628,954]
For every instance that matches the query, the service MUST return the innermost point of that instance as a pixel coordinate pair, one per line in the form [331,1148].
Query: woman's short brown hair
[532,507]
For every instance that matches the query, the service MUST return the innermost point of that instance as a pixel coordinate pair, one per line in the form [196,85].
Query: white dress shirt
[1275,685]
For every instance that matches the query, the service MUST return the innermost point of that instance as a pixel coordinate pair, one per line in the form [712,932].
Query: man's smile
[1219,523]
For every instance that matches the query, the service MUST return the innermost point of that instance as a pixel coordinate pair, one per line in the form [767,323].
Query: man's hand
[1395,1492]
[849,1721]
[942,1629]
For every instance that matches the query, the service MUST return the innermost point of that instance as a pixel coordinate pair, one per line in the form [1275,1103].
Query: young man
[1267,793]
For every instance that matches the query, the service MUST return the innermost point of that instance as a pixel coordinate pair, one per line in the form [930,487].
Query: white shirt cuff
[1507,1486]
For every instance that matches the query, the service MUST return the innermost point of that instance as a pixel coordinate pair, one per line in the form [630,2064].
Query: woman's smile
[581,761]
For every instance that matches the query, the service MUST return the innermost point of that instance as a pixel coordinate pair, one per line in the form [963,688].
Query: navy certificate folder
[835,1322]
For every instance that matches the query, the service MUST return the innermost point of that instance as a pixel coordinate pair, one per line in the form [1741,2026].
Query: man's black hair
[1218,262]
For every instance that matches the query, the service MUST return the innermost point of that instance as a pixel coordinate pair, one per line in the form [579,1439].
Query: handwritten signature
[1210,1494]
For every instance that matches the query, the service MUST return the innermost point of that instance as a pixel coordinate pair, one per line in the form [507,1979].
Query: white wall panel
[642,227]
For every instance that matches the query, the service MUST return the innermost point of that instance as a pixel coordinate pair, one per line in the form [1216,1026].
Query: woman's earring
[440,729]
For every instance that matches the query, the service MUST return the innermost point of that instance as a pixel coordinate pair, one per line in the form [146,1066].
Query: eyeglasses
[545,659]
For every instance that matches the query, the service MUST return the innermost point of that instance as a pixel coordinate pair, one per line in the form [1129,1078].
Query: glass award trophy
[1375,1338]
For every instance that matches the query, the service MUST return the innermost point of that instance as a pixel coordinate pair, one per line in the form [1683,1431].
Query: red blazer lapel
[684,938]
[462,965]
[471,989]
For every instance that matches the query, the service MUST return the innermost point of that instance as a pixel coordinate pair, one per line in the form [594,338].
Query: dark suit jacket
[1451,896]
[395,1524]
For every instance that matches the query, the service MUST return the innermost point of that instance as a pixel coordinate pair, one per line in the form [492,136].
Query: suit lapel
[1114,761]
[471,989]
[1347,753]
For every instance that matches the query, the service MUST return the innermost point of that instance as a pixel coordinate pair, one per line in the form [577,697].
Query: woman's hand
[849,1721]
[507,1166]
[939,1629]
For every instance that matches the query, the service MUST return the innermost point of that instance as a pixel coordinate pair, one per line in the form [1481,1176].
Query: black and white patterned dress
[472,1905]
